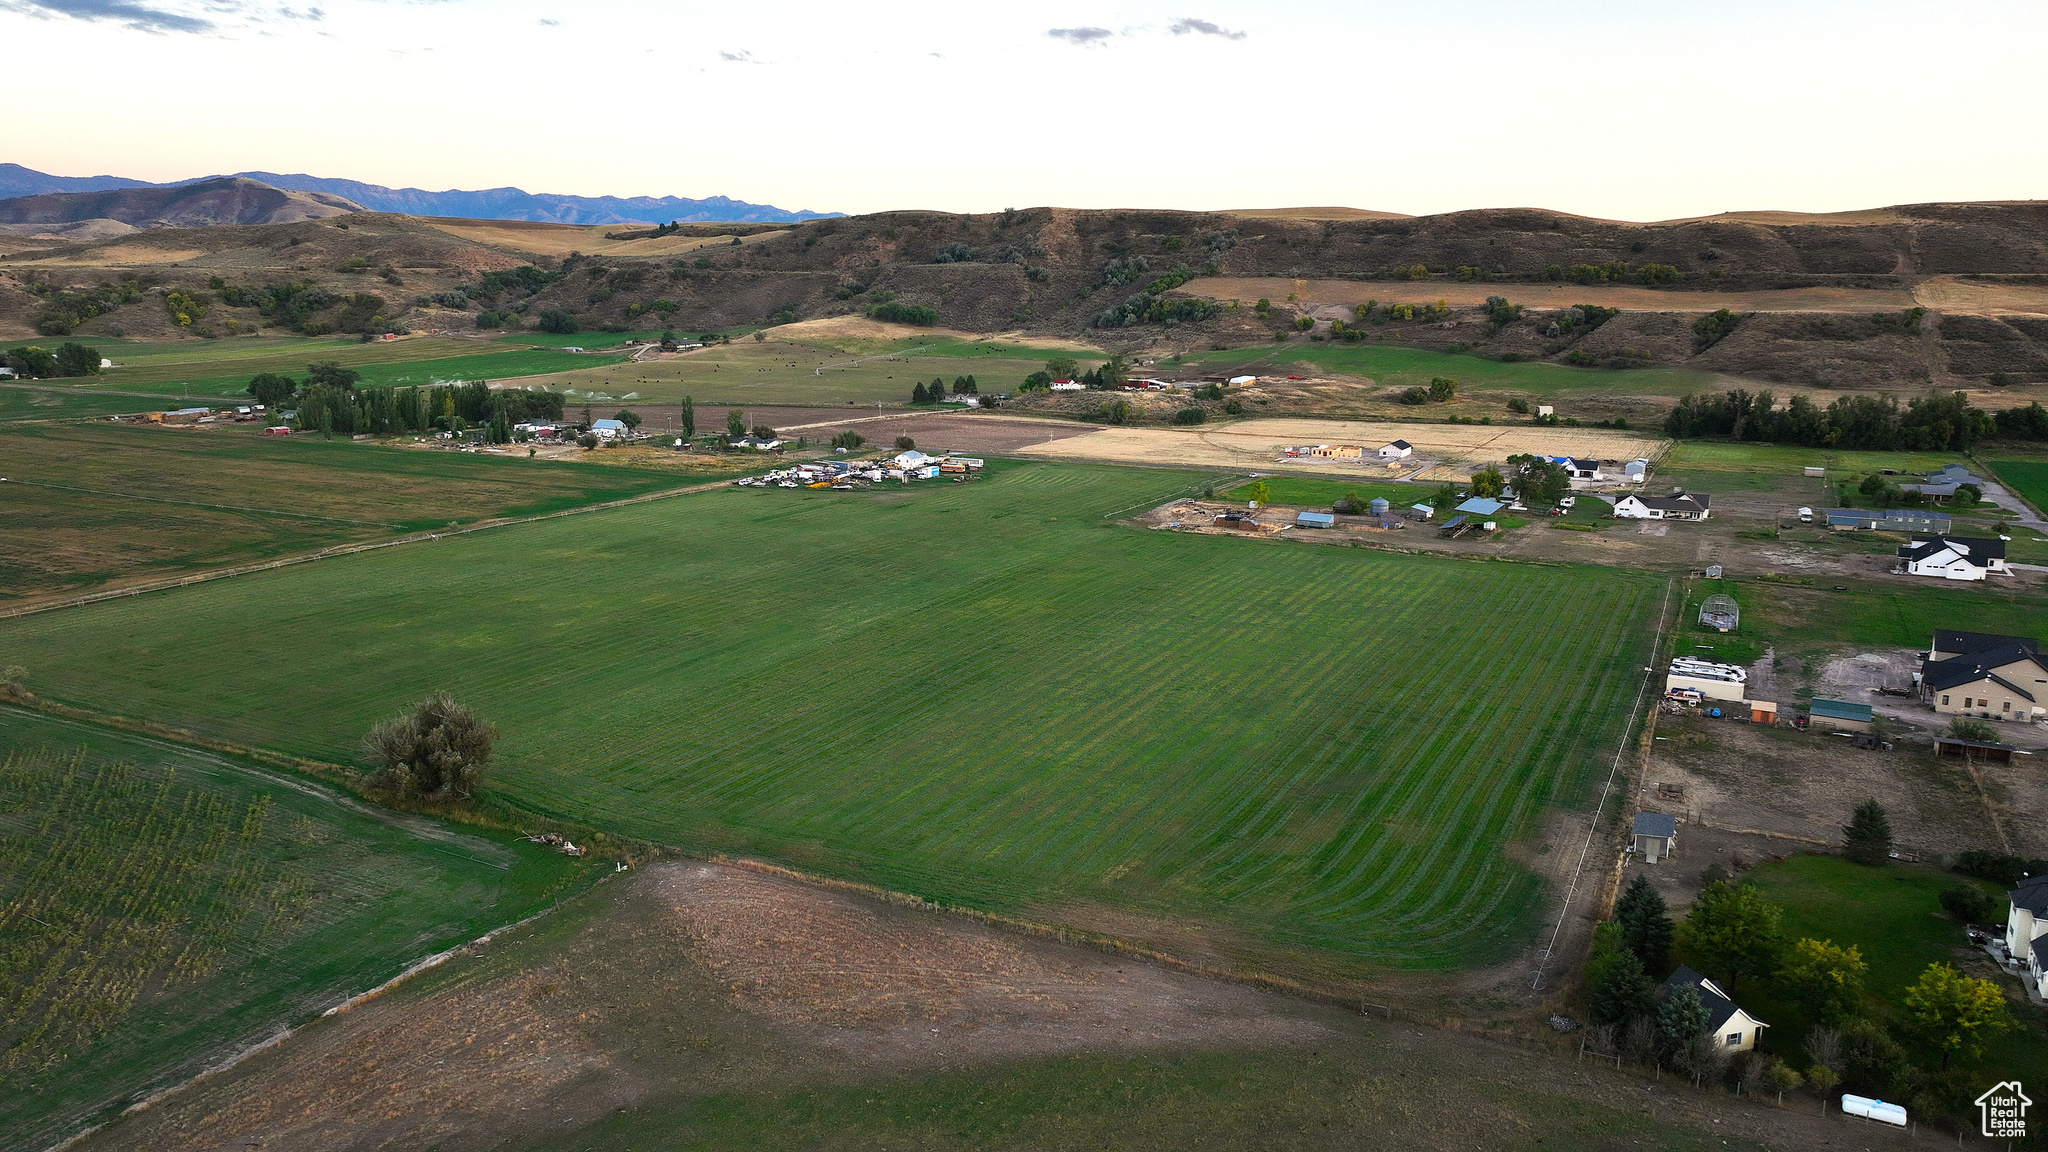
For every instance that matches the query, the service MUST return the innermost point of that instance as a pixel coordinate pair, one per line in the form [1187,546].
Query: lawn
[985,694]
[1393,366]
[1893,914]
[1777,472]
[91,503]
[187,905]
[27,403]
[1311,492]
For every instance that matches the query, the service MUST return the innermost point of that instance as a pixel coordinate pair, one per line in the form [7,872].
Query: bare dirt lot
[1258,444]
[720,1007]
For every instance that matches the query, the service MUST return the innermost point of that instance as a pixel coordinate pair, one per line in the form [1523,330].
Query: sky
[1643,110]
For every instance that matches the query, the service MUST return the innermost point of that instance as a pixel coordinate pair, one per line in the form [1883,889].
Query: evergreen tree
[919,396]
[1619,990]
[1868,837]
[1645,927]
[501,428]
[1680,1022]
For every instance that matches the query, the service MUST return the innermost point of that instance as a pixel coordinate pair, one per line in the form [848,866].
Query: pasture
[216,369]
[90,504]
[1393,366]
[160,906]
[987,694]
[2027,478]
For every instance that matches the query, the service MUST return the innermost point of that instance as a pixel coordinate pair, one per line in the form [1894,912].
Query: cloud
[743,56]
[1080,35]
[308,14]
[136,16]
[547,23]
[1189,24]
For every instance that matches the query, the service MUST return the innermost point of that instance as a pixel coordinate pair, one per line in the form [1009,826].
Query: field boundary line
[200,504]
[277,1039]
[344,550]
[1599,808]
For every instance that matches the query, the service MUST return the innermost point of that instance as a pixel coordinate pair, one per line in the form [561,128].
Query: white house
[1678,506]
[1398,450]
[912,459]
[1068,386]
[2026,930]
[1954,557]
[1581,468]
[608,429]
[1733,1029]
[1654,836]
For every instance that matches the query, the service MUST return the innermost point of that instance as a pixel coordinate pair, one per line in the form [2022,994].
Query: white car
[1567,501]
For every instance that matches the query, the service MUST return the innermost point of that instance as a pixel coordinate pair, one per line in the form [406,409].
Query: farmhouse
[1398,450]
[1734,1030]
[1954,557]
[757,443]
[608,429]
[1580,469]
[2004,680]
[1654,836]
[1839,715]
[2026,931]
[911,459]
[1677,506]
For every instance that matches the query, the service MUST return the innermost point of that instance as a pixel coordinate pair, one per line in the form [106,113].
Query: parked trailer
[1877,1110]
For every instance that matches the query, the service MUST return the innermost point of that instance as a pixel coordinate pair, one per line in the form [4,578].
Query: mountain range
[486,204]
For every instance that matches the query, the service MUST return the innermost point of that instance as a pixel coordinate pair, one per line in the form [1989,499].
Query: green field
[805,370]
[2029,478]
[1777,472]
[1311,492]
[31,404]
[89,503]
[1893,914]
[212,369]
[984,693]
[1392,366]
[160,906]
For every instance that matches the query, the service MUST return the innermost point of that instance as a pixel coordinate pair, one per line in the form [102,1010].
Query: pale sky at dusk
[1632,110]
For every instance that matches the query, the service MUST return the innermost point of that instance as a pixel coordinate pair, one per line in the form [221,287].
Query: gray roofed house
[1949,642]
[1654,835]
[1733,1029]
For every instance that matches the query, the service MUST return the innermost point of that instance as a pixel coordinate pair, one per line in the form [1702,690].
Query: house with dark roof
[1677,506]
[1582,468]
[1654,836]
[1949,642]
[2026,931]
[1954,557]
[2005,683]
[1398,450]
[1733,1029]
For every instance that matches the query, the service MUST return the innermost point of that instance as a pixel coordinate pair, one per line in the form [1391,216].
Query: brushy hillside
[983,693]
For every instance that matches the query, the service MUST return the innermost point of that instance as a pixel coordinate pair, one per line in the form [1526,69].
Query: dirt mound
[893,983]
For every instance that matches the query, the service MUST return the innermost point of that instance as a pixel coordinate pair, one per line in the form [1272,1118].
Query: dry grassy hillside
[1821,300]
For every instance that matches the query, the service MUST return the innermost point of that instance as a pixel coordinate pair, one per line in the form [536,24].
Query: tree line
[32,362]
[329,402]
[1930,423]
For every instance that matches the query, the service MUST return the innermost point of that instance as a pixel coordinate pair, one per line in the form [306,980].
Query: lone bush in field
[14,680]
[905,443]
[438,751]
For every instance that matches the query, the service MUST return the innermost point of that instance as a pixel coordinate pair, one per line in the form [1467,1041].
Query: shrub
[1998,867]
[1304,323]
[954,253]
[1234,408]
[1970,904]
[898,313]
[848,440]
[1190,416]
[1415,396]
[905,444]
[438,751]
[557,321]
[1519,405]
[1712,328]
[1442,388]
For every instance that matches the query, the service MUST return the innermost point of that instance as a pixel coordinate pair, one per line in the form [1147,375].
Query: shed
[1813,471]
[1720,612]
[1315,520]
[1396,450]
[1763,712]
[1379,505]
[1840,715]
[1973,749]
[1636,470]
[1713,571]
[1481,506]
[1655,835]
[1422,511]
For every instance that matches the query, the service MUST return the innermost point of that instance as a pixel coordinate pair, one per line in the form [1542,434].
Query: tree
[763,432]
[1681,1021]
[1967,495]
[735,423]
[1867,838]
[629,418]
[905,444]
[1445,497]
[1259,492]
[332,374]
[1488,482]
[1113,372]
[1417,395]
[1063,368]
[1304,323]
[1442,388]
[31,361]
[1645,927]
[77,360]
[500,429]
[1825,979]
[688,417]
[1037,382]
[1731,932]
[1872,1062]
[1954,1013]
[271,389]
[848,440]
[1969,904]
[1965,728]
[1618,990]
[437,751]
[587,441]
[918,395]
[1190,415]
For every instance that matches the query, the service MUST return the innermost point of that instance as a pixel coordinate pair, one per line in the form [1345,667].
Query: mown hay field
[91,504]
[988,694]
[160,907]
[204,370]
